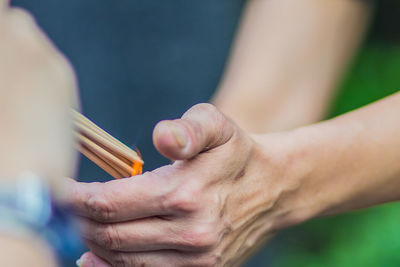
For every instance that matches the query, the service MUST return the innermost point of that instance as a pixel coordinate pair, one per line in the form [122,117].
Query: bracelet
[26,206]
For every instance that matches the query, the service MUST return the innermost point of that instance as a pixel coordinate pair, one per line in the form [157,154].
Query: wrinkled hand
[211,207]
[37,90]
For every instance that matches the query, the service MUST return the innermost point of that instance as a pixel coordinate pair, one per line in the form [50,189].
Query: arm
[287,59]
[229,191]
[352,161]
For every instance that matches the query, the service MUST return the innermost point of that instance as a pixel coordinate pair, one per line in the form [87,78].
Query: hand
[37,91]
[219,200]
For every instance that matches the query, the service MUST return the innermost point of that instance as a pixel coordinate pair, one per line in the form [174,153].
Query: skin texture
[195,212]
[36,94]
[187,215]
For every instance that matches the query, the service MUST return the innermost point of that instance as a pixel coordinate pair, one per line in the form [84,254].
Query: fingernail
[178,133]
[87,263]
[79,263]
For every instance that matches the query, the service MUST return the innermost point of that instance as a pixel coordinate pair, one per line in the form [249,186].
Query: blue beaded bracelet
[26,205]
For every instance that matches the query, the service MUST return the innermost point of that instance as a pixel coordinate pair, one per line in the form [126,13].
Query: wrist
[347,163]
[303,155]
[298,190]
[320,163]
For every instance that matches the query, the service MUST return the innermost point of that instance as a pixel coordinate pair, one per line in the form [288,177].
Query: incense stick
[84,124]
[104,150]
[102,164]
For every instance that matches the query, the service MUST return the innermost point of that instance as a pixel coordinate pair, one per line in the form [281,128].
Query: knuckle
[201,237]
[203,108]
[206,107]
[209,261]
[138,260]
[120,260]
[108,237]
[99,208]
[220,128]
[184,201]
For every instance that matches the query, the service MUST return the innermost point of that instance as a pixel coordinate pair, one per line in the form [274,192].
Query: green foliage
[366,238]
[375,74]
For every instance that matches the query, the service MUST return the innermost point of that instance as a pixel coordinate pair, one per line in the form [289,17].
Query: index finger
[120,200]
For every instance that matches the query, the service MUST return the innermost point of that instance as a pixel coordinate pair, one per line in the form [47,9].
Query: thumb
[201,128]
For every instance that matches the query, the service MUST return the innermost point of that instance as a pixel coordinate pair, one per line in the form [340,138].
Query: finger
[148,235]
[90,259]
[123,199]
[116,258]
[140,235]
[201,128]
[158,258]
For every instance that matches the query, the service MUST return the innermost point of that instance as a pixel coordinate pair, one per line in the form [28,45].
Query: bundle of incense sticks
[107,152]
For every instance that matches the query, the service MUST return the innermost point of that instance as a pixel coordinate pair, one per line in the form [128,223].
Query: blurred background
[139,62]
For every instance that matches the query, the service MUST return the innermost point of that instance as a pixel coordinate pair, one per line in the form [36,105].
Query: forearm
[287,59]
[347,163]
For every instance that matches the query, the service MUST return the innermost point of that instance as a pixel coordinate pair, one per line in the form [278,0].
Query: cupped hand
[213,206]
